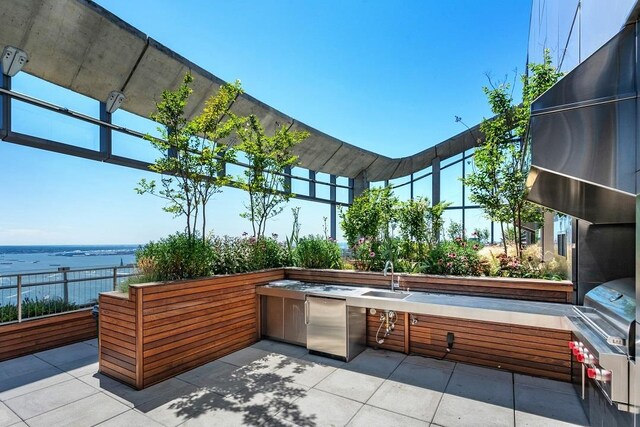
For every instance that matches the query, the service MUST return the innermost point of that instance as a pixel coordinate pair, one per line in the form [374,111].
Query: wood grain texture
[527,350]
[497,287]
[31,336]
[164,329]
[396,339]
[117,351]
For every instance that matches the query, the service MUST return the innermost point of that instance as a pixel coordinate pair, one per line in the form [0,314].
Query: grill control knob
[599,374]
[573,344]
[580,357]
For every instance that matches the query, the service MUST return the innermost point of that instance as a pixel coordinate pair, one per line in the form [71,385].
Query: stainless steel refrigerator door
[327,325]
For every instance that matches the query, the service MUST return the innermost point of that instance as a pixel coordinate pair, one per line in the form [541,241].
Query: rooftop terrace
[271,383]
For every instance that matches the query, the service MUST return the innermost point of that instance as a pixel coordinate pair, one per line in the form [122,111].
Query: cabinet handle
[306,312]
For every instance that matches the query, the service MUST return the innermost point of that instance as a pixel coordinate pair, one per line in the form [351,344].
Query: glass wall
[573,30]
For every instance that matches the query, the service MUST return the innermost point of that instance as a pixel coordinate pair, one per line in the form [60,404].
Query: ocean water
[42,280]
[23,259]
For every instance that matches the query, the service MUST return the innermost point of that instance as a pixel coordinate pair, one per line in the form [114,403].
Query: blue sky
[386,76]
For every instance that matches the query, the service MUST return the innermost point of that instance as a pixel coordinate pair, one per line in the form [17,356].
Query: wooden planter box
[33,335]
[159,330]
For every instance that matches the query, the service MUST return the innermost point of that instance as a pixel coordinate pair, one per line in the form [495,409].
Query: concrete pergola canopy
[81,46]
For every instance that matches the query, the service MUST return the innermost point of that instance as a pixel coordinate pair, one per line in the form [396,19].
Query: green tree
[267,156]
[192,161]
[420,225]
[502,161]
[370,215]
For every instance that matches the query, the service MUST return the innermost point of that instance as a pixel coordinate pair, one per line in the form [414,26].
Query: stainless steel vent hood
[584,137]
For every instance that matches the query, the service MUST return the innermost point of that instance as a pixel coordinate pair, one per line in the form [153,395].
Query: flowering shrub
[367,255]
[458,258]
[177,257]
[530,268]
[243,254]
[318,252]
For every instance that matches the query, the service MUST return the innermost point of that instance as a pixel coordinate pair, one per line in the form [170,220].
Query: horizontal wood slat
[117,344]
[31,336]
[174,327]
[527,350]
[395,341]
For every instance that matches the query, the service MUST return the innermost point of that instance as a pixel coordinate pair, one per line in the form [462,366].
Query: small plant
[318,252]
[177,257]
[292,240]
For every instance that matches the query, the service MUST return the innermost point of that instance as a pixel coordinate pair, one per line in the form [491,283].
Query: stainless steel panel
[327,326]
[295,329]
[604,253]
[579,199]
[272,317]
[609,72]
[584,136]
[615,301]
[356,331]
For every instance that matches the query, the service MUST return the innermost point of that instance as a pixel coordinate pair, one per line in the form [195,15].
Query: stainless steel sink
[386,294]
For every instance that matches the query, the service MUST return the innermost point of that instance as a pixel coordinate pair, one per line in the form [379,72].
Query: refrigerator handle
[306,311]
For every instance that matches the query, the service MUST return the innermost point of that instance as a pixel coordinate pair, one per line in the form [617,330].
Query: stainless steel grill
[604,331]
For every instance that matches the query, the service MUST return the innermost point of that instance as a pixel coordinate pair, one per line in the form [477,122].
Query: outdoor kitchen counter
[525,313]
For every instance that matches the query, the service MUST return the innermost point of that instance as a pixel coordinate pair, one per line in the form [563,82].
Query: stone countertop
[501,310]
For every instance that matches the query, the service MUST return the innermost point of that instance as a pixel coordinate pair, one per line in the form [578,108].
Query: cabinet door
[272,317]
[327,326]
[295,330]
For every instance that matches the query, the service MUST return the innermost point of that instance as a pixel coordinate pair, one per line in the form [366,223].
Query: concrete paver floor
[276,384]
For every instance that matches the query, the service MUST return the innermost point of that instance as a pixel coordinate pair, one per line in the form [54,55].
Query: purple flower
[449,264]
[361,240]
[476,247]
[452,255]
[372,254]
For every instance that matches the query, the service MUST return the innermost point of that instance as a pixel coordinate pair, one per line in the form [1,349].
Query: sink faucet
[388,265]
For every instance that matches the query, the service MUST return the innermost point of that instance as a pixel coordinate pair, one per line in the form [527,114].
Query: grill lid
[616,301]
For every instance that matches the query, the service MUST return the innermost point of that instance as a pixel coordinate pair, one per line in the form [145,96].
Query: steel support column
[360,184]
[5,107]
[332,207]
[435,181]
[411,187]
[312,184]
[287,180]
[106,146]
[351,189]
[464,202]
